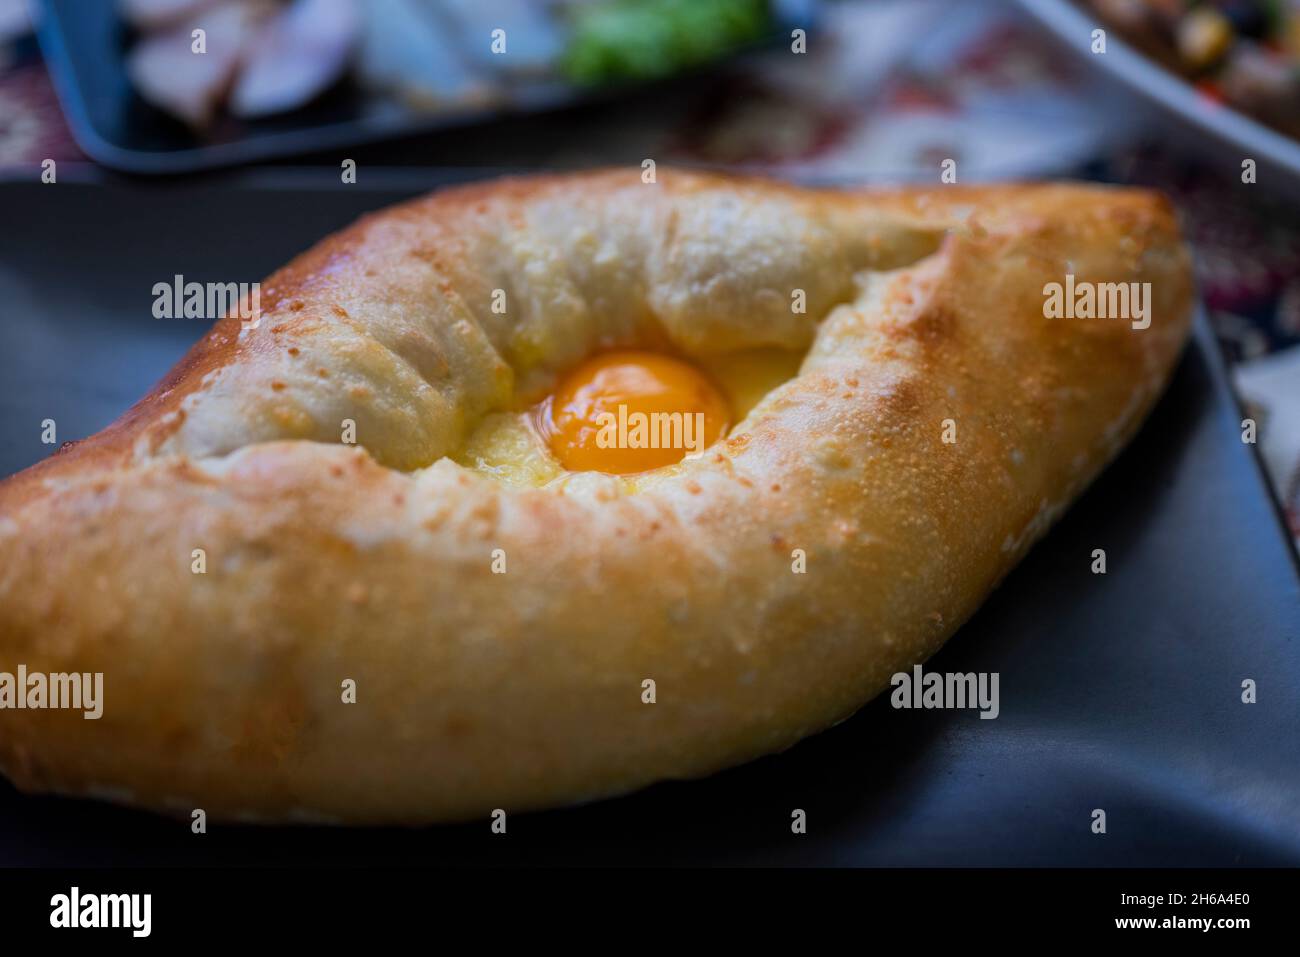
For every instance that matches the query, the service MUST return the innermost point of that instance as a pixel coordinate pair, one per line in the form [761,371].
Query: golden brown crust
[478,690]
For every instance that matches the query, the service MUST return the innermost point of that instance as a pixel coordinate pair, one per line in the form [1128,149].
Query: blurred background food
[885,92]
[271,56]
[166,86]
[1242,52]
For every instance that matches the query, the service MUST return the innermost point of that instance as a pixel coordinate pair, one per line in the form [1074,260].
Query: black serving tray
[84,45]
[1119,691]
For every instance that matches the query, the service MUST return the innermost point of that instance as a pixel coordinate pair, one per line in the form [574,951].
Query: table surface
[1119,691]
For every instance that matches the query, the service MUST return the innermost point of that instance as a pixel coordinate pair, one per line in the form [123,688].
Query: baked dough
[373,562]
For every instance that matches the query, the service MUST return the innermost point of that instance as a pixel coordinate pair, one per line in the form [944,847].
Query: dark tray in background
[83,43]
[1118,691]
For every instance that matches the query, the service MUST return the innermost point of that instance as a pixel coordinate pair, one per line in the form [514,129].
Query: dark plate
[85,44]
[1119,691]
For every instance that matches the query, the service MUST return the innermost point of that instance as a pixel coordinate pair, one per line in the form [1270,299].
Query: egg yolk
[630,411]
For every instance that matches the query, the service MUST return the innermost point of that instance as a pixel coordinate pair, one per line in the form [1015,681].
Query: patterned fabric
[31,126]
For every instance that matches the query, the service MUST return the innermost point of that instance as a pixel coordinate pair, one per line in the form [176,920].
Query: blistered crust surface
[478,690]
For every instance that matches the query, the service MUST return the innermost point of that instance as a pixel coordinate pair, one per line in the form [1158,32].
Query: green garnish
[620,40]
